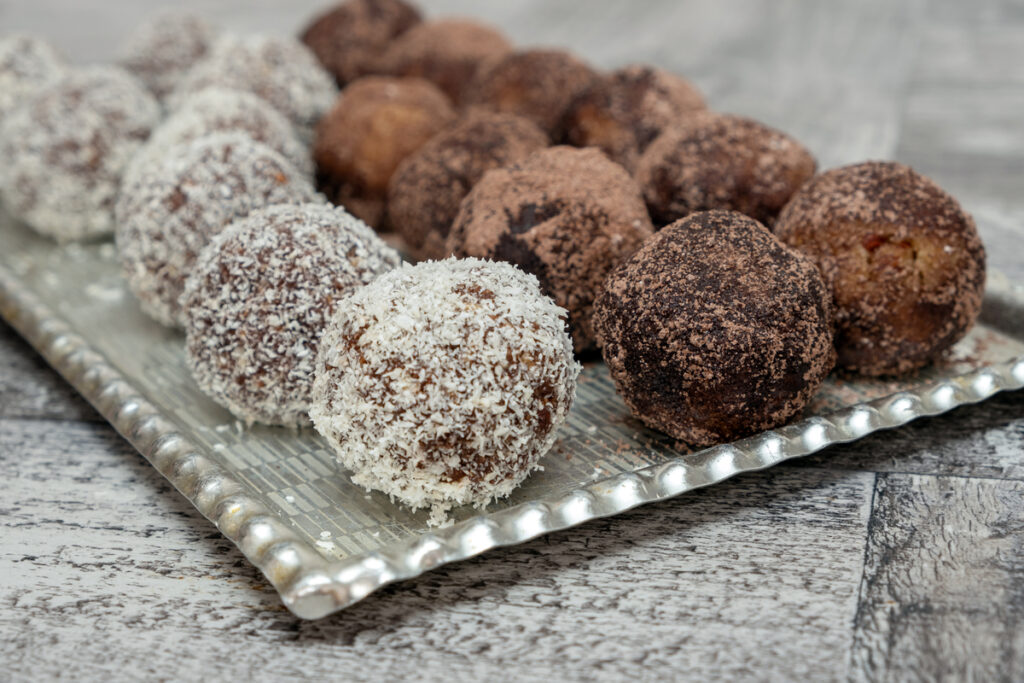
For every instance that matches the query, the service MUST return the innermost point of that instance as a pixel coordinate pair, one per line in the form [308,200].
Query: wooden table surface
[900,557]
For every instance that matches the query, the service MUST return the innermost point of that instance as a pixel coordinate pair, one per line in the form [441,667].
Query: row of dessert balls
[712,328]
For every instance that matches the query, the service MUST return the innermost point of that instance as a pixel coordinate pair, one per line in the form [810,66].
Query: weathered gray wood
[92,536]
[943,591]
[30,388]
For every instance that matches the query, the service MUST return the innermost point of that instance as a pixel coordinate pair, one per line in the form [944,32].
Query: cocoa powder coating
[903,261]
[377,122]
[536,84]
[351,38]
[425,192]
[715,330]
[566,215]
[721,161]
[622,113]
[448,53]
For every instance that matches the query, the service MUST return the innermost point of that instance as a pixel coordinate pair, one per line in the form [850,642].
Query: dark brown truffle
[622,113]
[377,122]
[537,84]
[567,215]
[425,192]
[903,261]
[448,53]
[720,161]
[715,329]
[350,38]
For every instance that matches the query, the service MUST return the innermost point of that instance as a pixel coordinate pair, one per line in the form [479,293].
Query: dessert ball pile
[555,208]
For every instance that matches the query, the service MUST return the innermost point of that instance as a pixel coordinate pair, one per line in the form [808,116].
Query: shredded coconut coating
[26,64]
[67,149]
[171,208]
[259,297]
[222,110]
[444,383]
[720,161]
[715,330]
[280,70]
[161,51]
[902,259]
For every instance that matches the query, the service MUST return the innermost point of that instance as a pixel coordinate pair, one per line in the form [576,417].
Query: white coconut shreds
[259,297]
[162,50]
[26,64]
[66,150]
[221,110]
[280,70]
[444,383]
[169,210]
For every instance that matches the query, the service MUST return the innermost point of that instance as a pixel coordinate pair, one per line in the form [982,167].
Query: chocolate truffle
[259,297]
[448,52]
[66,149]
[280,70]
[622,113]
[537,84]
[219,110]
[903,261]
[425,192]
[720,161]
[444,383]
[170,209]
[163,49]
[350,38]
[568,216]
[27,63]
[715,330]
[377,122]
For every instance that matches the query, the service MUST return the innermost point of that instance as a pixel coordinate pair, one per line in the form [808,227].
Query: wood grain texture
[109,573]
[102,558]
[943,592]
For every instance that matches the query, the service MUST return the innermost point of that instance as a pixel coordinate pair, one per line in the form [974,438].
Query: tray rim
[311,587]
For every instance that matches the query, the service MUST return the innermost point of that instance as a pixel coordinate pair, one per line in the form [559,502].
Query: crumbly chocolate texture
[444,383]
[715,330]
[720,161]
[351,38]
[280,70]
[220,110]
[623,112]
[162,50]
[448,52]
[568,216]
[27,64]
[375,124]
[259,298]
[903,260]
[426,191]
[170,209]
[536,84]
[65,151]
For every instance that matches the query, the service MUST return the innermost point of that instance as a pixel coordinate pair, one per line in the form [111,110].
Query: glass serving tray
[325,543]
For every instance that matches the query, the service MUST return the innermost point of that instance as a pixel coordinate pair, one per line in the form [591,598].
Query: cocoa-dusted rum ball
[903,260]
[376,123]
[537,84]
[721,161]
[715,329]
[446,52]
[623,112]
[350,38]
[427,189]
[568,216]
